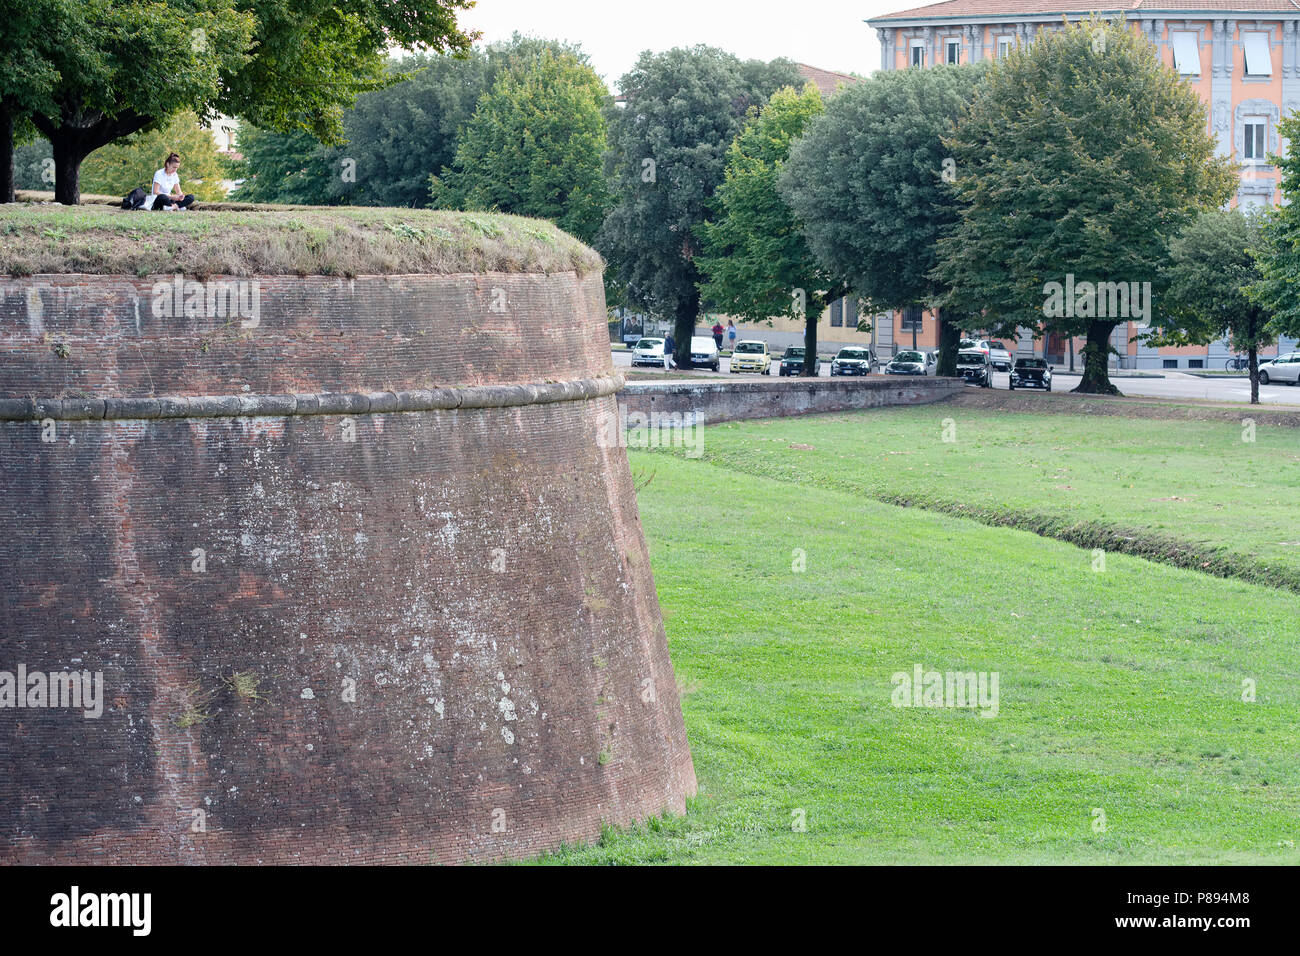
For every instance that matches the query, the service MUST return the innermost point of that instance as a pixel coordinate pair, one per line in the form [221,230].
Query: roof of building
[972,9]
[826,81]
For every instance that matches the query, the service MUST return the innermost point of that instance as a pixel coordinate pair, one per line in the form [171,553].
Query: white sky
[829,34]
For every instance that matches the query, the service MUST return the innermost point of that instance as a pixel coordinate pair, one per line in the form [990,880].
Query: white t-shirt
[165,182]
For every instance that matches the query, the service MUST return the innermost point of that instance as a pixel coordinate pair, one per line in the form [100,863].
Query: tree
[110,68]
[118,168]
[534,147]
[668,148]
[755,260]
[1080,157]
[868,181]
[1277,255]
[1209,270]
[394,137]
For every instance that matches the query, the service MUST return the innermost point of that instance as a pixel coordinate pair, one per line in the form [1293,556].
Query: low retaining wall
[722,401]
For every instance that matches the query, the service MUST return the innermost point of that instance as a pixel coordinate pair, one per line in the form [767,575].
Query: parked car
[1284,368]
[648,352]
[909,362]
[751,355]
[975,367]
[998,355]
[792,361]
[1031,373]
[704,353]
[852,360]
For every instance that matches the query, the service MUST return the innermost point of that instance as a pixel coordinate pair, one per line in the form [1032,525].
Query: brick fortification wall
[356,595]
[720,401]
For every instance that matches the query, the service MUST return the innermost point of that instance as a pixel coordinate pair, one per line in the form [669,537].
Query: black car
[792,360]
[975,368]
[1031,373]
[908,362]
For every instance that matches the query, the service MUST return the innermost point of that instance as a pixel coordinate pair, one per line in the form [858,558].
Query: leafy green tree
[119,167]
[668,148]
[755,260]
[534,147]
[294,168]
[1206,277]
[1080,157]
[394,137]
[1277,255]
[109,68]
[868,182]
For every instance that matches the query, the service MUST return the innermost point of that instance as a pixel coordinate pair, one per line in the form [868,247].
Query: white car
[648,352]
[999,357]
[704,353]
[1284,368]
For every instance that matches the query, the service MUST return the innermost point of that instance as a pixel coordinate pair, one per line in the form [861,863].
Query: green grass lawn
[1196,482]
[1119,690]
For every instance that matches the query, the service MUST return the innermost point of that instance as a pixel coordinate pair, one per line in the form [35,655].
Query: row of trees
[720,183]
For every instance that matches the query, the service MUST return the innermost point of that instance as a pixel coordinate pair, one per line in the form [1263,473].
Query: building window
[1004,46]
[1187,54]
[1259,62]
[1253,147]
[952,51]
[918,52]
[1170,363]
[850,312]
[1196,363]
[837,313]
[912,319]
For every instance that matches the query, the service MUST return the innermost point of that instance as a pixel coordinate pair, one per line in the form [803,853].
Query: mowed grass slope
[1196,482]
[1118,690]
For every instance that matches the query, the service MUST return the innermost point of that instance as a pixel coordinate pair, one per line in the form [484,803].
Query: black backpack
[135,198]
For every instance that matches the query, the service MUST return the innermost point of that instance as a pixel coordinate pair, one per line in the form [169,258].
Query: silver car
[1284,368]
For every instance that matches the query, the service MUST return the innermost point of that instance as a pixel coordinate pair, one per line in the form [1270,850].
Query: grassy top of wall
[245,239]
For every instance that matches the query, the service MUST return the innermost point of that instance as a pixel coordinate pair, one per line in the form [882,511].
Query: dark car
[908,362]
[1031,373]
[975,367]
[792,360]
[853,361]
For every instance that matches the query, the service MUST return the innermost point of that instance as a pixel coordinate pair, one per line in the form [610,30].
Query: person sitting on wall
[167,187]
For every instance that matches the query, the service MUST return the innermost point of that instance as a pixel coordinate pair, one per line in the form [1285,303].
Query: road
[1174,385]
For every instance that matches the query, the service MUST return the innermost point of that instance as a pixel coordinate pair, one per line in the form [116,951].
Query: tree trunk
[6,154]
[949,346]
[1096,356]
[67,169]
[810,344]
[1252,359]
[688,312]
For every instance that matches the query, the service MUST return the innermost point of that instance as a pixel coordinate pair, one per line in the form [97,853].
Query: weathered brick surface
[479,575]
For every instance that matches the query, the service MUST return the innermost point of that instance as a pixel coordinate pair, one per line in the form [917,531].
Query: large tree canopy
[868,182]
[668,147]
[107,68]
[755,260]
[1206,277]
[1277,256]
[535,147]
[1080,157]
[393,137]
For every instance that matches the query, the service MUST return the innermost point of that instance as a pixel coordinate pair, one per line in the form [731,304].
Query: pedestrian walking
[731,335]
[717,335]
[669,347]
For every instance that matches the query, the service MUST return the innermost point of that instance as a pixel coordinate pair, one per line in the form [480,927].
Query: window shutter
[1258,60]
